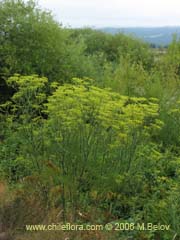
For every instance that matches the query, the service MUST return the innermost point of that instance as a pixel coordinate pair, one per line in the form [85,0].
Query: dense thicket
[89,128]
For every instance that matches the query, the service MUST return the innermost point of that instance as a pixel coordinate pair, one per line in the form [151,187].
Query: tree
[31,41]
[114,46]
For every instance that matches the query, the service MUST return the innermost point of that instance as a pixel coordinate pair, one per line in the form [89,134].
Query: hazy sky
[121,13]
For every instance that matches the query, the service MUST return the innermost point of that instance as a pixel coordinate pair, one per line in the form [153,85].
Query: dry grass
[2,189]
[20,207]
[69,236]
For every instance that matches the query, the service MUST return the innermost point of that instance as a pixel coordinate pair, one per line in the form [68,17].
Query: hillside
[160,36]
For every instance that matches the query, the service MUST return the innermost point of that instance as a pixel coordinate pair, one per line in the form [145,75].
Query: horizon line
[100,27]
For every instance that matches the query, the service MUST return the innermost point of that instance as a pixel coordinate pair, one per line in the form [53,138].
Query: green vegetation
[89,129]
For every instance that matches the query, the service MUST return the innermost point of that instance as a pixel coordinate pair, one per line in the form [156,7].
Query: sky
[114,13]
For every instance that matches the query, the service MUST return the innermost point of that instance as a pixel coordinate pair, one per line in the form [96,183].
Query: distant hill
[160,36]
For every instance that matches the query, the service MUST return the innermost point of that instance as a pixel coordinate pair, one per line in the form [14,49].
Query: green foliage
[173,53]
[129,78]
[31,41]
[89,125]
[114,47]
[23,117]
[87,131]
